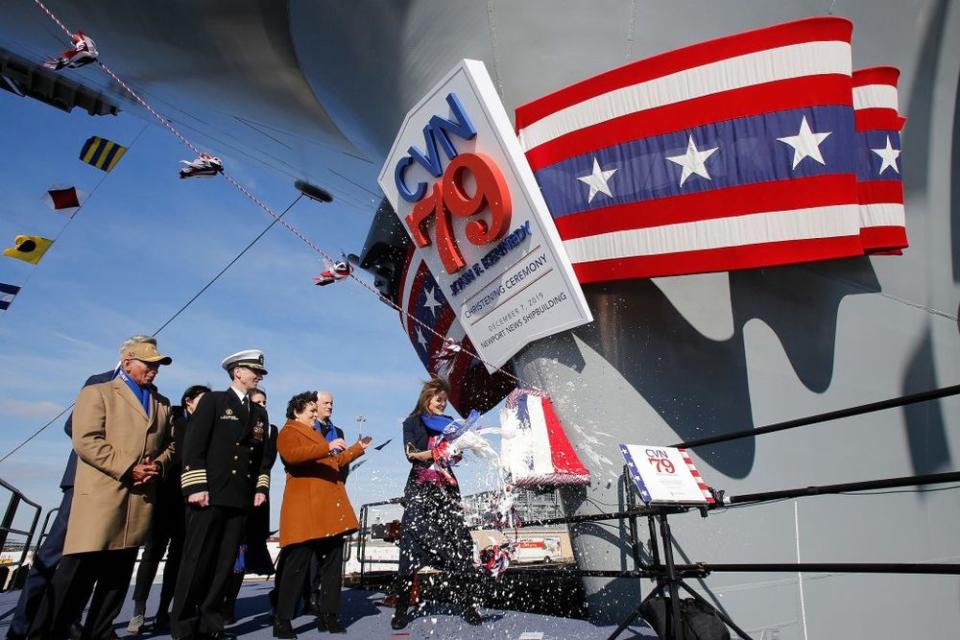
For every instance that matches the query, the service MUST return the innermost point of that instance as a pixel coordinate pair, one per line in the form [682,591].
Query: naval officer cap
[251,359]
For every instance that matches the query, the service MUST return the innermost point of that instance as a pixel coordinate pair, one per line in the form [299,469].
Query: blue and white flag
[7,293]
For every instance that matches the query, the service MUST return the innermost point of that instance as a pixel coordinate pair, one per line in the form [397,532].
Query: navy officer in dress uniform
[223,465]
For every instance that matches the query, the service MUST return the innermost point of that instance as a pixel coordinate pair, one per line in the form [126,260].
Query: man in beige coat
[121,433]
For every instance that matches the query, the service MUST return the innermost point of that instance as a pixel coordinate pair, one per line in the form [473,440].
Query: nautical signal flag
[7,293]
[735,153]
[28,248]
[64,199]
[102,153]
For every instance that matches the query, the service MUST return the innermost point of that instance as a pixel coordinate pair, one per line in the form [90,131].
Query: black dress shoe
[399,619]
[472,616]
[329,622]
[161,623]
[220,635]
[311,606]
[283,629]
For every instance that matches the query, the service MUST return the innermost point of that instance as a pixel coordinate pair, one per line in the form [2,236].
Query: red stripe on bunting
[796,93]
[884,240]
[808,30]
[752,256]
[880,191]
[781,195]
[876,75]
[562,456]
[876,118]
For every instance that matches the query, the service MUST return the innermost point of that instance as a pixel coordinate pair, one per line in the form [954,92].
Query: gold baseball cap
[146,352]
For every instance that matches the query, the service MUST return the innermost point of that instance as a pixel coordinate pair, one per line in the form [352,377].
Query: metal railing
[45,528]
[819,418]
[630,515]
[6,528]
[365,531]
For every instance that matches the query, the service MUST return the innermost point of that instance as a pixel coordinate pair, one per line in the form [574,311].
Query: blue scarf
[142,393]
[436,424]
[331,433]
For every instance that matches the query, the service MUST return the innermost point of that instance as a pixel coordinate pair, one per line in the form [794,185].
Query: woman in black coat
[433,530]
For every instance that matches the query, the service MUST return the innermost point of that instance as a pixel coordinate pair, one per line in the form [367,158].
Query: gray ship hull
[674,359]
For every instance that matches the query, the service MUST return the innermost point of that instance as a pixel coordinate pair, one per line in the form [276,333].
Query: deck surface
[365,619]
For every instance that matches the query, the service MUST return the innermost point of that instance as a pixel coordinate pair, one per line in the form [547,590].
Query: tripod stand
[669,580]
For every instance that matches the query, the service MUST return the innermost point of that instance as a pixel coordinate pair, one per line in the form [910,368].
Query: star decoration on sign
[431,301]
[597,181]
[888,157]
[693,161]
[806,144]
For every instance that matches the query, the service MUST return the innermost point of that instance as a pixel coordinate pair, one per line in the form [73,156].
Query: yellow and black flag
[102,153]
[28,248]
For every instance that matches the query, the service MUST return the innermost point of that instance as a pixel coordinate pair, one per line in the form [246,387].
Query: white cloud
[40,409]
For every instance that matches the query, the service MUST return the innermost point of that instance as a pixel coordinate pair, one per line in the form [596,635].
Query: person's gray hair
[138,339]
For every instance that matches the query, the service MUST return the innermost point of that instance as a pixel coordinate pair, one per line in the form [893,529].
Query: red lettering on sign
[663,465]
[449,198]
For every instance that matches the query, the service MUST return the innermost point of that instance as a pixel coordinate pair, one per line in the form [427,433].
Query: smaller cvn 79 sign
[457,178]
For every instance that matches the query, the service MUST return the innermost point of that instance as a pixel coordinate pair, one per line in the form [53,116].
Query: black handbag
[700,621]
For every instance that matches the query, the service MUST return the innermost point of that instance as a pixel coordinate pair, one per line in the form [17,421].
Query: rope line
[243,190]
[36,433]
[224,270]
[164,325]
[63,229]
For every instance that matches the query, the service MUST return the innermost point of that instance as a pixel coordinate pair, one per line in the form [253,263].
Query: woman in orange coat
[315,516]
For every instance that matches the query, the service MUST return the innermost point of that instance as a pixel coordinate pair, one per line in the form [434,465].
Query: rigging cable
[169,126]
[82,205]
[168,321]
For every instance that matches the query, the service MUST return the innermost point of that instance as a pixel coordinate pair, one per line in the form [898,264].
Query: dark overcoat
[223,450]
[433,531]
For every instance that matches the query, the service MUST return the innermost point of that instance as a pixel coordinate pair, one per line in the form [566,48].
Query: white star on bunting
[888,156]
[806,143]
[421,340]
[597,181]
[431,301]
[693,161]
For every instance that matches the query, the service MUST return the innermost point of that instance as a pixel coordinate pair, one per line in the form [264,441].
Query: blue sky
[143,244]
